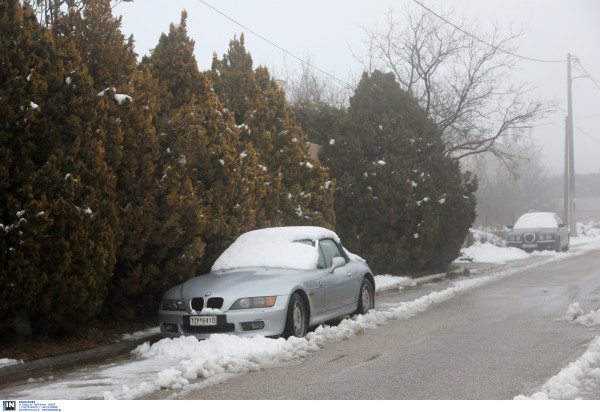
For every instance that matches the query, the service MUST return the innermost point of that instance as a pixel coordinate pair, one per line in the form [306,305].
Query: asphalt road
[495,342]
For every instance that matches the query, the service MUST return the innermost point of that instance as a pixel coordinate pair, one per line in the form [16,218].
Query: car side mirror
[561,225]
[337,262]
[510,226]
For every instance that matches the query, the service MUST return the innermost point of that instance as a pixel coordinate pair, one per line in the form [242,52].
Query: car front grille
[213,303]
[529,237]
[197,304]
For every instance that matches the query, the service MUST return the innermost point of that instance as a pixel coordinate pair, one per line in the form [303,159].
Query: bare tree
[50,10]
[460,80]
[503,195]
[312,86]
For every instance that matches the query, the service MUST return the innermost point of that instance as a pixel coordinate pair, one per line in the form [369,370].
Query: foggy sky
[331,33]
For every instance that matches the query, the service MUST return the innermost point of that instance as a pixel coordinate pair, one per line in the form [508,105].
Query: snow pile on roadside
[193,359]
[484,235]
[8,362]
[489,253]
[576,315]
[141,334]
[488,247]
[579,375]
[587,232]
[385,282]
[582,374]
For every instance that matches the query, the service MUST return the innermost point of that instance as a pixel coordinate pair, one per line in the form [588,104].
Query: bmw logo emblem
[207,294]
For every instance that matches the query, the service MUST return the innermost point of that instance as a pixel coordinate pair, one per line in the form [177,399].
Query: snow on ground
[385,282]
[490,253]
[141,334]
[489,248]
[186,363]
[8,362]
[580,375]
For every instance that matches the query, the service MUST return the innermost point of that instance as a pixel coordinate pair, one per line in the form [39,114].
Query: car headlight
[256,302]
[511,238]
[172,304]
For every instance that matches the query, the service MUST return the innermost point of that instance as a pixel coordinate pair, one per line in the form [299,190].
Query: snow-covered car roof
[274,247]
[537,220]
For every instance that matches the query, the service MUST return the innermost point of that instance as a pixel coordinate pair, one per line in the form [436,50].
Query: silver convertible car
[272,282]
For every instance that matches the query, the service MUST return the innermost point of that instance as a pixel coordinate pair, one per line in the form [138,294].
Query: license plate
[530,245]
[203,320]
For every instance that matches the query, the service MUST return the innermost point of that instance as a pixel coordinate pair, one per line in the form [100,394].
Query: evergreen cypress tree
[300,192]
[199,137]
[394,183]
[128,94]
[58,199]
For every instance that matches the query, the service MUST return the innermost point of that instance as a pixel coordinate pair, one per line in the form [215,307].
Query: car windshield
[536,220]
[285,247]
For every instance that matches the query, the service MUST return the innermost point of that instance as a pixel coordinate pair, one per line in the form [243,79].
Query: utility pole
[571,162]
[566,208]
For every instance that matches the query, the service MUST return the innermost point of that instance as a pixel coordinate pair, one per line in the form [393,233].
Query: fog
[332,34]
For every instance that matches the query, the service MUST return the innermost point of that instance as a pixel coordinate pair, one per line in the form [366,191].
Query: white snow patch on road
[576,315]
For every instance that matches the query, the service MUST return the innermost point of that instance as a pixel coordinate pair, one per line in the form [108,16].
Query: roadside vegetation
[121,175]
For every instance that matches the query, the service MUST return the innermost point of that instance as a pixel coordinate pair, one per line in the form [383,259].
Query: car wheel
[366,298]
[297,318]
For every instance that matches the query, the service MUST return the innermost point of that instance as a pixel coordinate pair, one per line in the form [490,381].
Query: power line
[587,134]
[586,74]
[483,41]
[275,45]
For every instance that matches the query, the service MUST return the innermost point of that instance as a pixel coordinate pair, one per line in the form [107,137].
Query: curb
[50,364]
[425,279]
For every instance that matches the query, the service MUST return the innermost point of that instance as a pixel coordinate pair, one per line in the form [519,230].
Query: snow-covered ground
[186,363]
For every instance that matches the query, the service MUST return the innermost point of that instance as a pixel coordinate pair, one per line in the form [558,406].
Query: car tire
[296,323]
[366,298]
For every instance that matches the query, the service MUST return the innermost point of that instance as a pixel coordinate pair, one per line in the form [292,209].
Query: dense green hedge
[119,179]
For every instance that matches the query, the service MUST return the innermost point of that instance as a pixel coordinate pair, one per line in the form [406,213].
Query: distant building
[314,150]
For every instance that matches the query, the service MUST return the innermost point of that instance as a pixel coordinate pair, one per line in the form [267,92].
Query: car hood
[248,282]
